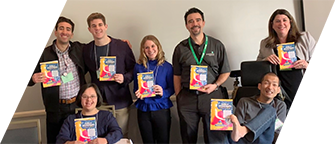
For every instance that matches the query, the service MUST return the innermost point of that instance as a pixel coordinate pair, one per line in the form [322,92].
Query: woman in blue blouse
[153,113]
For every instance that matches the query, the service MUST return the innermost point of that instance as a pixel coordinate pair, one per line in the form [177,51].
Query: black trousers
[154,125]
[194,106]
[54,120]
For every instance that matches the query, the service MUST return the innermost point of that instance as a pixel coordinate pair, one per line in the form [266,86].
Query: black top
[215,58]
[290,79]
[101,51]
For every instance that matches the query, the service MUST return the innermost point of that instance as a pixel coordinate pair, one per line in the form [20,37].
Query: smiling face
[98,29]
[195,24]
[89,99]
[281,24]
[269,87]
[150,49]
[63,32]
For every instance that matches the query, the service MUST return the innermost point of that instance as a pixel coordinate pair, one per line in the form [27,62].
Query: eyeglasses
[86,97]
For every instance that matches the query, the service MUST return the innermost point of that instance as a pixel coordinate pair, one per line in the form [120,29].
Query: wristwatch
[217,86]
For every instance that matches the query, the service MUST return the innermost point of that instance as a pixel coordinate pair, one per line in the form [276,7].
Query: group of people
[254,118]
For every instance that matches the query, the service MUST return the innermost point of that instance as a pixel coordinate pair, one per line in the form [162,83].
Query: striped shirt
[66,66]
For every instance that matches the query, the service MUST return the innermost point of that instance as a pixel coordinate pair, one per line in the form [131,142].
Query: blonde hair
[293,35]
[143,59]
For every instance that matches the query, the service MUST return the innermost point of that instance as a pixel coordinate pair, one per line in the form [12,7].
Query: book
[51,72]
[107,68]
[146,83]
[86,129]
[198,76]
[221,109]
[287,55]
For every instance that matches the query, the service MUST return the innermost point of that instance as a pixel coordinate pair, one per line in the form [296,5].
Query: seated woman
[89,98]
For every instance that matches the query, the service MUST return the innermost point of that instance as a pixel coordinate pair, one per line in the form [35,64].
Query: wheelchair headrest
[252,71]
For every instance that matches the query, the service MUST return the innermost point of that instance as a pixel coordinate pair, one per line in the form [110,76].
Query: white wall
[239,24]
[316,13]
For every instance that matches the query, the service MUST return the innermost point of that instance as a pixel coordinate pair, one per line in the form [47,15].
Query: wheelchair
[250,75]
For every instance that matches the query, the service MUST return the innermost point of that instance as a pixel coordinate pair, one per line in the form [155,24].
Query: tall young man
[114,92]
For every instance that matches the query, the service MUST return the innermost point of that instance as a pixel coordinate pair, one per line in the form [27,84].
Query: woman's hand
[158,90]
[98,141]
[74,142]
[138,94]
[273,59]
[300,64]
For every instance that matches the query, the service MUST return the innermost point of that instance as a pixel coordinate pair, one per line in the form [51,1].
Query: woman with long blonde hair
[153,113]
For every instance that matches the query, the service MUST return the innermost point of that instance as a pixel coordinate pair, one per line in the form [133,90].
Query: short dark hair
[94,16]
[82,90]
[193,10]
[270,74]
[64,19]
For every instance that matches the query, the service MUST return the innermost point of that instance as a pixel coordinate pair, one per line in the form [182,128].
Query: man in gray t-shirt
[273,110]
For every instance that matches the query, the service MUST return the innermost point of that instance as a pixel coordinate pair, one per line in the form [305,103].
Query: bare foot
[238,130]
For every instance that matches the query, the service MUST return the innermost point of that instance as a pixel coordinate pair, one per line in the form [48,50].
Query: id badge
[278,124]
[98,73]
[67,77]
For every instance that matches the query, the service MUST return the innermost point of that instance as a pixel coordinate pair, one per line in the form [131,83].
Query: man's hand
[127,41]
[38,77]
[119,78]
[209,88]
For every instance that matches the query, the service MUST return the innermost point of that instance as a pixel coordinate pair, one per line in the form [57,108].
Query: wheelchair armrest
[235,73]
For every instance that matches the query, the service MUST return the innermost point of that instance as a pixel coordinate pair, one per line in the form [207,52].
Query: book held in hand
[221,109]
[198,76]
[145,84]
[107,68]
[86,129]
[51,72]
[287,55]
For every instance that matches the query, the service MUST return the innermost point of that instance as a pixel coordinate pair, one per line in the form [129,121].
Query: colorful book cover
[287,55]
[221,109]
[51,72]
[107,68]
[145,84]
[86,129]
[198,76]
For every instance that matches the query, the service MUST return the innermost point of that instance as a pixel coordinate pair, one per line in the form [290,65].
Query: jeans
[262,127]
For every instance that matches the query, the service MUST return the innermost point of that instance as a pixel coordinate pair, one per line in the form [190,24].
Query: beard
[196,33]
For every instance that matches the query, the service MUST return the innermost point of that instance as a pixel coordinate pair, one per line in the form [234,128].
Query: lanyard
[203,52]
[95,55]
[155,69]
